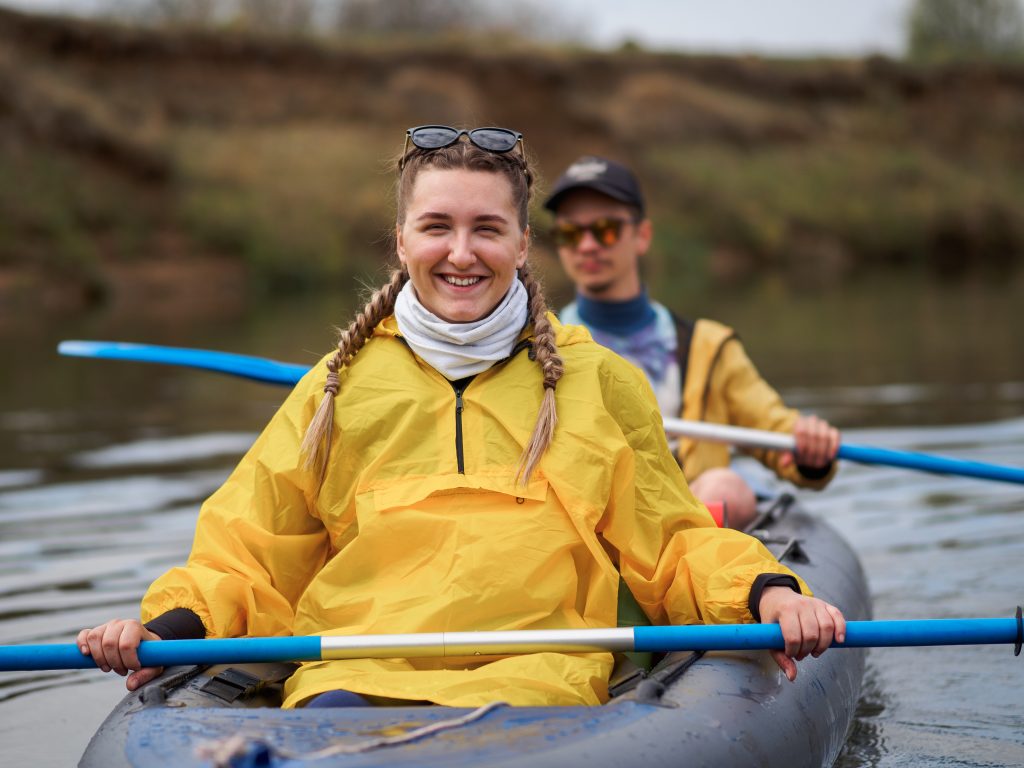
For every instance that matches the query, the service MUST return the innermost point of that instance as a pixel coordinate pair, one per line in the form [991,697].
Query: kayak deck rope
[223,753]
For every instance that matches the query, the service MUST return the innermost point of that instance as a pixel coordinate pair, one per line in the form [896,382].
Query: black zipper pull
[459,405]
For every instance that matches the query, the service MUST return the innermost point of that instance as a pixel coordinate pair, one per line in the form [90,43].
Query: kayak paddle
[862,454]
[246,366]
[273,372]
[722,637]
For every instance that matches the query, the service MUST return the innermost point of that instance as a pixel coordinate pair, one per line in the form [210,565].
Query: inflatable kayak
[689,709]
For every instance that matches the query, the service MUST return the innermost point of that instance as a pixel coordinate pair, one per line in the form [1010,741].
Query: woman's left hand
[808,625]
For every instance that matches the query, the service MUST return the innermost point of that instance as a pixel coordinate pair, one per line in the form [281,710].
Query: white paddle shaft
[721,433]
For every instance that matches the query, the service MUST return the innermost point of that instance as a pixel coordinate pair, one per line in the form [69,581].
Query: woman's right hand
[115,646]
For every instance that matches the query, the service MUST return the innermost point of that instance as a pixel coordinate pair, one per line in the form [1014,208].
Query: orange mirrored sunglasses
[606,231]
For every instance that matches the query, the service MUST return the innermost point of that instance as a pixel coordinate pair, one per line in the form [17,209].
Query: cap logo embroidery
[586,170]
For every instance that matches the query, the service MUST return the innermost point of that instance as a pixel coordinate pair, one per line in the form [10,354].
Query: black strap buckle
[232,684]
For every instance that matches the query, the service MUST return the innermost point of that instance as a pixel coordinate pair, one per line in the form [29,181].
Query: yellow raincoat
[398,540]
[723,387]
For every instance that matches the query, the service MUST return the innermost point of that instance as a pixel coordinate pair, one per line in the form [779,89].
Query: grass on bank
[299,203]
[63,218]
[838,206]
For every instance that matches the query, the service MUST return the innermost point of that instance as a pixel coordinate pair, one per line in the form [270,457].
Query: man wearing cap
[698,369]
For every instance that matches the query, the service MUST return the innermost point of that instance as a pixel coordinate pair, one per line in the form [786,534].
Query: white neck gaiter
[457,350]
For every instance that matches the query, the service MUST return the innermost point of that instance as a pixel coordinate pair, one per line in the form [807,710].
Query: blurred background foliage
[246,145]
[942,30]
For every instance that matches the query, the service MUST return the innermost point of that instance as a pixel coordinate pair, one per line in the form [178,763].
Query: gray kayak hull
[709,709]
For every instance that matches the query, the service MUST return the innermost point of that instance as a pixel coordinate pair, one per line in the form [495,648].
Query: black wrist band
[768,580]
[177,624]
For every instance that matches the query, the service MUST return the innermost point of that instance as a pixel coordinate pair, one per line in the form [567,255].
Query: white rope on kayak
[221,753]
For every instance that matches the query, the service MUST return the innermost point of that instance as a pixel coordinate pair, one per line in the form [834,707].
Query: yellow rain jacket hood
[401,538]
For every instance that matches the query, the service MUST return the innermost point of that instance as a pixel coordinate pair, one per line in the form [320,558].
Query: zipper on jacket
[460,387]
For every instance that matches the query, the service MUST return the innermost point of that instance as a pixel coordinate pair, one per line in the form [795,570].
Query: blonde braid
[551,366]
[316,444]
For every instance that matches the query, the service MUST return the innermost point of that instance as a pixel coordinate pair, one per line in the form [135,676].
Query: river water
[103,466]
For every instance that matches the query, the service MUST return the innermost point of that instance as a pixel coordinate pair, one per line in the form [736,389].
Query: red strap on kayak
[717,510]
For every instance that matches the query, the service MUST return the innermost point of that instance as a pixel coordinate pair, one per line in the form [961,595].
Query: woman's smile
[462,282]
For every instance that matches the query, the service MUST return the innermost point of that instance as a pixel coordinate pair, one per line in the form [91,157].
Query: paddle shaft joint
[1020,632]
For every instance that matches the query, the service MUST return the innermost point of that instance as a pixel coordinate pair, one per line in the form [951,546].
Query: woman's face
[461,242]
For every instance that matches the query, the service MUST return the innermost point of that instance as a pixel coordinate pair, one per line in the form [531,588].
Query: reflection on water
[865,744]
[103,466]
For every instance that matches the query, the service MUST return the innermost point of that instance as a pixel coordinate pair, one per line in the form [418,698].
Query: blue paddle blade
[246,366]
[864,454]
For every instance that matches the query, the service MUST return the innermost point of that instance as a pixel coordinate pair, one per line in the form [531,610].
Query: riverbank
[122,146]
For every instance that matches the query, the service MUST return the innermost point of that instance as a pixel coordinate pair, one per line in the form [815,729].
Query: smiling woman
[427,478]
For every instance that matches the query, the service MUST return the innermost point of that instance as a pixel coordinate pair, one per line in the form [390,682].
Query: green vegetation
[293,201]
[944,30]
[828,209]
[63,227]
[123,145]
[419,21]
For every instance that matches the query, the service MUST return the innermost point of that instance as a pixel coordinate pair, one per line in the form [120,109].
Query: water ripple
[165,451]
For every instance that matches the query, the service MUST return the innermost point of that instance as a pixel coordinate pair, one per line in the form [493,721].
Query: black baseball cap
[601,175]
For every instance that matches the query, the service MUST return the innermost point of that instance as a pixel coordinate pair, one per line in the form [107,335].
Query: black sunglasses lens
[493,139]
[433,137]
[606,231]
[567,235]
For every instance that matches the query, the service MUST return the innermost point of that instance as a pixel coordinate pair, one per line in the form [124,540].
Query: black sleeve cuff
[814,473]
[768,580]
[178,624]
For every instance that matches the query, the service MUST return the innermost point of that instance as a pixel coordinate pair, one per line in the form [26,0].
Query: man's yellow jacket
[399,540]
[723,387]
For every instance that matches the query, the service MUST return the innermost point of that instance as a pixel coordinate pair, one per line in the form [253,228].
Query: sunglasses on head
[439,136]
[606,231]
